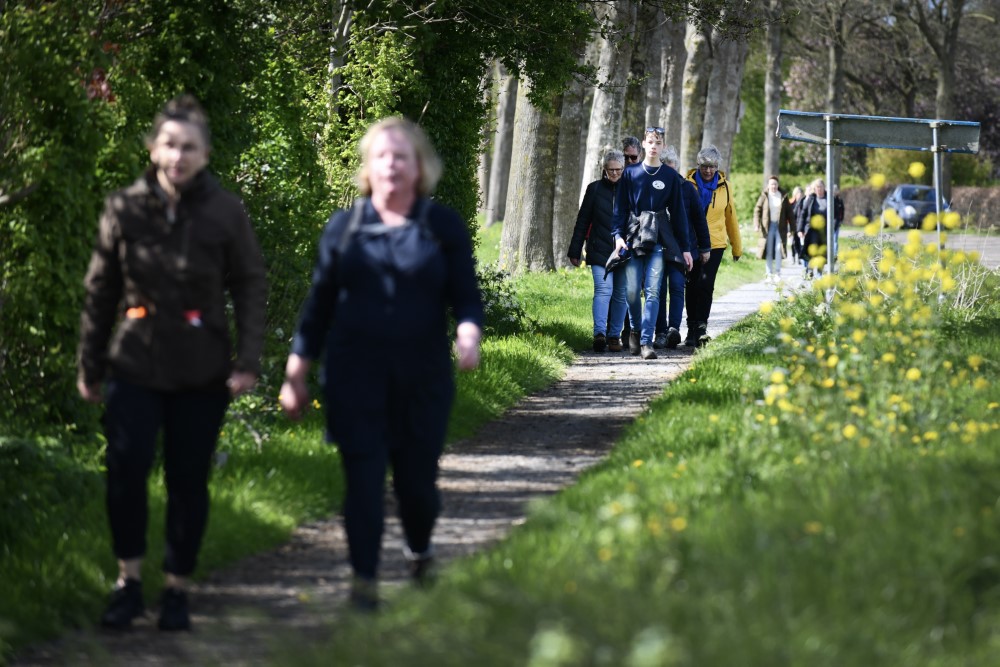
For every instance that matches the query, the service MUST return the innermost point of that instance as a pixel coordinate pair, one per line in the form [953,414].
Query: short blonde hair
[427,158]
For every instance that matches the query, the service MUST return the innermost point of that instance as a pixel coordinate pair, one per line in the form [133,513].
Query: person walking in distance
[716,199]
[593,228]
[169,248]
[668,333]
[771,217]
[389,271]
[650,222]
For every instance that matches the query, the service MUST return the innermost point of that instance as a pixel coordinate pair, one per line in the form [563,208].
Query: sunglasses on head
[632,158]
[658,130]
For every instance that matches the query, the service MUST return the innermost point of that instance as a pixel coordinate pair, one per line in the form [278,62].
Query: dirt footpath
[293,594]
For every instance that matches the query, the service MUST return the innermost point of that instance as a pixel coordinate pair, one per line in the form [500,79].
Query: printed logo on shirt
[659,185]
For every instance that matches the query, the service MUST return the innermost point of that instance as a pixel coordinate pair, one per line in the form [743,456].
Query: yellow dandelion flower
[786,323]
[773,421]
[889,358]
[827,383]
[777,377]
[858,336]
[951,220]
[767,307]
[931,435]
[713,418]
[859,221]
[975,361]
[637,463]
[865,442]
[604,554]
[817,263]
[929,223]
[678,524]
[849,431]
[872,229]
[832,361]
[759,417]
[670,507]
[876,300]
[315,404]
[877,180]
[913,374]
[818,222]
[916,169]
[813,527]
[992,405]
[980,383]
[681,467]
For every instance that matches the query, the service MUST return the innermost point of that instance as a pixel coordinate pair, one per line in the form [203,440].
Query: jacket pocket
[130,352]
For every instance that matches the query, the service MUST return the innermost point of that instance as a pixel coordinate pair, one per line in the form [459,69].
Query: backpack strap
[352,226]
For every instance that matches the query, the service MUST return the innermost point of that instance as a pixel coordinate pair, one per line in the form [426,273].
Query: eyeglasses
[632,158]
[708,166]
[658,130]
[614,171]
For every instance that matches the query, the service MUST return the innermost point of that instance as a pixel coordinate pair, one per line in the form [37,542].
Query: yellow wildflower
[813,527]
[678,524]
[916,169]
[913,374]
[849,431]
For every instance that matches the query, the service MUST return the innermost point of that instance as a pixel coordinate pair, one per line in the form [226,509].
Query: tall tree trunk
[697,70]
[673,59]
[604,128]
[569,167]
[526,242]
[486,145]
[341,22]
[722,101]
[772,93]
[496,200]
[653,44]
[644,54]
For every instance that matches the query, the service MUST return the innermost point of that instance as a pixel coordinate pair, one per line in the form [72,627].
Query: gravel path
[291,594]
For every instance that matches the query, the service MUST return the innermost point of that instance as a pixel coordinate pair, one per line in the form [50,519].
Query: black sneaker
[673,338]
[633,343]
[660,341]
[174,611]
[124,605]
[364,595]
[600,343]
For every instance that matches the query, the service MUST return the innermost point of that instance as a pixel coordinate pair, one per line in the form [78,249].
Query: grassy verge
[820,488]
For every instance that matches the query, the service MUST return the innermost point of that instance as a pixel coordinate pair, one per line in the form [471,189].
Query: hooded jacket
[155,307]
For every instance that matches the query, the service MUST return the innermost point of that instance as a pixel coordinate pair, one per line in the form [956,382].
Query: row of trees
[289,88]
[722,81]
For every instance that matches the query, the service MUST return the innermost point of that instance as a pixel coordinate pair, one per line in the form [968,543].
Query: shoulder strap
[352,226]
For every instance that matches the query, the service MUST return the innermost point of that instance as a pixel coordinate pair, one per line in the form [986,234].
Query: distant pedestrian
[717,200]
[169,248]
[593,229]
[771,217]
[811,234]
[796,200]
[668,321]
[389,270]
[651,222]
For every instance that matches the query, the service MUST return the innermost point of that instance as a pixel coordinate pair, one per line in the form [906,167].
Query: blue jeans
[674,285]
[773,248]
[643,275]
[609,301]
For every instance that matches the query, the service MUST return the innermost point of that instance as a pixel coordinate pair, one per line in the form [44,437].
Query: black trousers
[701,289]
[394,413]
[190,422]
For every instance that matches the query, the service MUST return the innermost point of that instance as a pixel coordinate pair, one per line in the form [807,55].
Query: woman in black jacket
[593,227]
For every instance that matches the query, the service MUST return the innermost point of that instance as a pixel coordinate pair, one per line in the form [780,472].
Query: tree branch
[11,199]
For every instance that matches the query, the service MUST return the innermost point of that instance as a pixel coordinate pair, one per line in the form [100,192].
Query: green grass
[854,522]
[56,564]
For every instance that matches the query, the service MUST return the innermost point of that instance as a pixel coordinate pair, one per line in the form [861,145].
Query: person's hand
[240,382]
[91,393]
[620,244]
[688,261]
[467,345]
[294,396]
[575,261]
[705,256]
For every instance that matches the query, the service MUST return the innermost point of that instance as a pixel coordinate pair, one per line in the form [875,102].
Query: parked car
[912,203]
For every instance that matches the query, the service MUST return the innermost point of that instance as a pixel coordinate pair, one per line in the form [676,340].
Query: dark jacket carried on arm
[163,281]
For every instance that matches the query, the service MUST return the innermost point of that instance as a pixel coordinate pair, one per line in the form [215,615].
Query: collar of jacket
[199,187]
